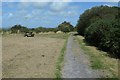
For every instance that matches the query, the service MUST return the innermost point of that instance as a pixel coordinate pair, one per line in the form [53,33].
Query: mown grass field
[31,57]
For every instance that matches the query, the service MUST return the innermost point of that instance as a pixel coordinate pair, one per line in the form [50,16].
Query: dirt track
[77,63]
[30,57]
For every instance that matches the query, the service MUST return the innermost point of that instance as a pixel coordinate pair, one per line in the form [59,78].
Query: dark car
[29,34]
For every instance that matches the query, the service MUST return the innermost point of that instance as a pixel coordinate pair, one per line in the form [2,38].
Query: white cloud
[63,10]
[107,5]
[36,0]
[95,0]
[36,11]
[68,13]
[58,6]
[23,11]
[55,6]
[63,0]
[33,4]
[40,4]
[72,13]
[28,16]
[112,0]
[10,14]
[24,4]
[61,13]
[8,0]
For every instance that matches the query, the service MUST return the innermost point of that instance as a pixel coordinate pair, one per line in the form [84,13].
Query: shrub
[94,14]
[15,29]
[105,34]
[65,27]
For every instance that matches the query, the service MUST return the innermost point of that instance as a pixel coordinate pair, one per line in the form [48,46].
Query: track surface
[77,64]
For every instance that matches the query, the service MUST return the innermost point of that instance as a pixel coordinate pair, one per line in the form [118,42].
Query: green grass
[96,62]
[60,61]
[100,59]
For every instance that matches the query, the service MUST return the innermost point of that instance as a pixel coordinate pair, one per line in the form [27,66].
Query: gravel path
[77,64]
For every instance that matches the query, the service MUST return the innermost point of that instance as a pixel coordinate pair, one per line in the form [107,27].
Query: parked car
[29,34]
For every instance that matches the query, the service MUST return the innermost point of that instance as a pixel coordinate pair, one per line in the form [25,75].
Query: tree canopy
[92,15]
[101,27]
[65,27]
[20,28]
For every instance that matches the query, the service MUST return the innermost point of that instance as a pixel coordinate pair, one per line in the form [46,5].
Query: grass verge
[60,61]
[96,63]
[100,60]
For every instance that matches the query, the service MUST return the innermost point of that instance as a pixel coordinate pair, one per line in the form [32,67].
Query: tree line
[64,27]
[100,26]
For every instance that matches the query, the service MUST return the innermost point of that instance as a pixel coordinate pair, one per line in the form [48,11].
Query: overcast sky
[45,14]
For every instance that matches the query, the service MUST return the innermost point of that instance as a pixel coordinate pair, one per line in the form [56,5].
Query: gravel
[77,64]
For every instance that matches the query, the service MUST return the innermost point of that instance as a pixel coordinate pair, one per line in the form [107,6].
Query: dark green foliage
[101,28]
[15,29]
[43,29]
[75,28]
[39,29]
[105,34]
[4,30]
[23,29]
[65,27]
[55,30]
[94,14]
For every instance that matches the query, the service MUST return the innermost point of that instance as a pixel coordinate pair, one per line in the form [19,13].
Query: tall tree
[65,27]
[19,28]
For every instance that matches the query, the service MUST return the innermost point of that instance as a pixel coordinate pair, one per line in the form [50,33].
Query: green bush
[15,28]
[105,34]
[100,27]
[94,14]
[65,27]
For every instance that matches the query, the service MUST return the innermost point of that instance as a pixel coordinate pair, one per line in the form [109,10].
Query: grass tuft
[100,60]
[96,63]
[60,61]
